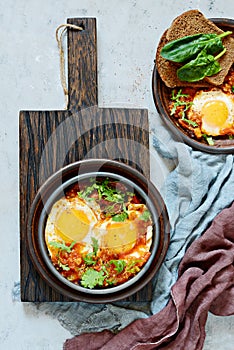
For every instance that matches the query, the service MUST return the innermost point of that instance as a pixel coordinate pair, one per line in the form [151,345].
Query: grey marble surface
[128,33]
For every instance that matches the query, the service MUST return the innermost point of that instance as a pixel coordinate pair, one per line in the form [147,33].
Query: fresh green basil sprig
[187,47]
[196,51]
[204,65]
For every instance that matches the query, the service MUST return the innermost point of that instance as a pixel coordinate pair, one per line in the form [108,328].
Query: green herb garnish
[145,216]
[105,190]
[111,282]
[62,246]
[95,245]
[202,66]
[87,192]
[178,101]
[196,51]
[88,259]
[176,98]
[208,139]
[119,265]
[131,266]
[188,47]
[232,88]
[120,217]
[92,278]
[64,267]
[190,122]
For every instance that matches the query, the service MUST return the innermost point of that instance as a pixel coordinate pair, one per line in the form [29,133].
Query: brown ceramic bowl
[161,95]
[54,188]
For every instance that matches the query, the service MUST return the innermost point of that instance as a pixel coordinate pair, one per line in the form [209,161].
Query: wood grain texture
[82,67]
[50,140]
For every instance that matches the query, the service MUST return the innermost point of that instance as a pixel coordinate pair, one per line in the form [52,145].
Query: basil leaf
[197,69]
[188,47]
[185,48]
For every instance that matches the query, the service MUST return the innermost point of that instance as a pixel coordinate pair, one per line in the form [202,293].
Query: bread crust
[167,69]
[189,23]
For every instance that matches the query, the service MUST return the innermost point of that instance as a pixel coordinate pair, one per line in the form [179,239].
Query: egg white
[62,205]
[201,98]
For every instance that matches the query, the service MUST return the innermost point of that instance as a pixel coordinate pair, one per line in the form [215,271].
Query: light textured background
[128,33]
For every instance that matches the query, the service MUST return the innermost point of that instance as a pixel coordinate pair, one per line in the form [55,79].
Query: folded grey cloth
[200,186]
[206,282]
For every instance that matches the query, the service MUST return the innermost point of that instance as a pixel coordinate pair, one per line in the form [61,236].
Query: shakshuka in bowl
[199,112]
[98,231]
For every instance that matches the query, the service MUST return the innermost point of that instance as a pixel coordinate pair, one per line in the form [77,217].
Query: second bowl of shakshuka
[98,230]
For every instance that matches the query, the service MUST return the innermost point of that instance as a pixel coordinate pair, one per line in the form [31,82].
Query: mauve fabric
[205,283]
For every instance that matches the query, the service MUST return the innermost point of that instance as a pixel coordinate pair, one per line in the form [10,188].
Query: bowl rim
[32,239]
[178,132]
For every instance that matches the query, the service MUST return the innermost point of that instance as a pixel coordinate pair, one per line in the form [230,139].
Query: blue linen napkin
[198,188]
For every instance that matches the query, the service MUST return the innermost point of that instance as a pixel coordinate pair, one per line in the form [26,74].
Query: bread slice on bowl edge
[189,23]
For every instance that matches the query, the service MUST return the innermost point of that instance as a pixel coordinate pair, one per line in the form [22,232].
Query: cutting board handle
[82,64]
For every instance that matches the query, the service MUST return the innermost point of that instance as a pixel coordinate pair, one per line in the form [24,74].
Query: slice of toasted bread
[189,23]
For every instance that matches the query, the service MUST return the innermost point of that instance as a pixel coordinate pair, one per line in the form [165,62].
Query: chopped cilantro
[232,88]
[111,282]
[95,245]
[120,217]
[208,139]
[190,122]
[62,246]
[64,267]
[145,216]
[88,190]
[178,102]
[88,259]
[131,266]
[105,190]
[119,265]
[92,278]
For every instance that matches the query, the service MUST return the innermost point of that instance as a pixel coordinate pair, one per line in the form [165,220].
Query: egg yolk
[72,225]
[120,236]
[214,113]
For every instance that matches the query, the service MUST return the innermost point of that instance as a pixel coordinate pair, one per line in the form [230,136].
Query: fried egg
[216,110]
[73,220]
[70,220]
[122,236]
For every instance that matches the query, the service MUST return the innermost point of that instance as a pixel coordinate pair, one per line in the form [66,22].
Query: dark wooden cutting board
[50,140]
